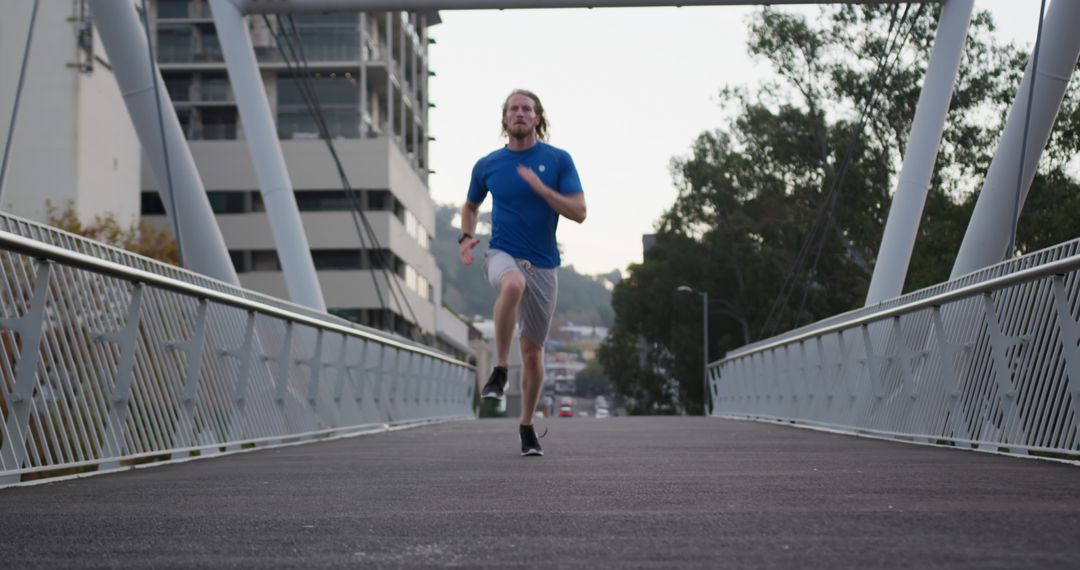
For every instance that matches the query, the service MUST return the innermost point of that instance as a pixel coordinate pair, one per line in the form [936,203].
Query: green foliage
[140,238]
[592,381]
[750,191]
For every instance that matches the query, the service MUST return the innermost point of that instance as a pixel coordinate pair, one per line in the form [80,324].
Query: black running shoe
[493,390]
[530,445]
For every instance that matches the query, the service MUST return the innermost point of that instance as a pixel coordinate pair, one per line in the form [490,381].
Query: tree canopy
[780,211]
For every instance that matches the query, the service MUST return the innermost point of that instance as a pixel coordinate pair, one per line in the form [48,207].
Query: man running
[531,183]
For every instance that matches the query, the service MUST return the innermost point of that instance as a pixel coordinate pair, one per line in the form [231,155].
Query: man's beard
[520,131]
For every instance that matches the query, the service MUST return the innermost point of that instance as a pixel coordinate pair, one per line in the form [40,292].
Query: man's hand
[465,250]
[531,178]
[572,206]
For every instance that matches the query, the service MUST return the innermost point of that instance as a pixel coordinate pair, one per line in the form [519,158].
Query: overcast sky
[625,90]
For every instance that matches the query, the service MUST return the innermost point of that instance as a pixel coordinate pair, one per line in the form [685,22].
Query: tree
[780,211]
[140,238]
[592,381]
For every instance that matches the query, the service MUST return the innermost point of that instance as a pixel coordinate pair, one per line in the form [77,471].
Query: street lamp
[705,341]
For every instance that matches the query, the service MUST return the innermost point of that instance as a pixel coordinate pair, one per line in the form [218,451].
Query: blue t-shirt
[523,224]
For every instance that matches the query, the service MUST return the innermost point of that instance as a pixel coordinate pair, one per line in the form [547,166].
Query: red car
[566,408]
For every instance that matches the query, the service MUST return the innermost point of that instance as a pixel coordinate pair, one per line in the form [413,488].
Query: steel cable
[298,66]
[18,94]
[824,217]
[161,130]
[315,107]
[1027,120]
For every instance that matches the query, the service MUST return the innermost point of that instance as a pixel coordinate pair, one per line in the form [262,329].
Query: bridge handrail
[41,250]
[859,317]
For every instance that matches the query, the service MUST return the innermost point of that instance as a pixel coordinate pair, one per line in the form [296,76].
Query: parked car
[566,408]
[602,413]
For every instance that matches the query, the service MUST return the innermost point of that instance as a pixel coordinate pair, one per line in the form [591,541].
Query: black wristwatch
[464,236]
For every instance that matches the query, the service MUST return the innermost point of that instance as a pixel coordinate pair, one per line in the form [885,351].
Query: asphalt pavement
[641,492]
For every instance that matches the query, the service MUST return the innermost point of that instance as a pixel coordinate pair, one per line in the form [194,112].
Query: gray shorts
[538,301]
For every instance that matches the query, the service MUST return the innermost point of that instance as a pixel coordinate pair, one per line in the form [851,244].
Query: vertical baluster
[244,354]
[126,338]
[192,349]
[30,328]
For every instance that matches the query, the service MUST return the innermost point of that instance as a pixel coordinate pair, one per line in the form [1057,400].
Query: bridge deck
[642,492]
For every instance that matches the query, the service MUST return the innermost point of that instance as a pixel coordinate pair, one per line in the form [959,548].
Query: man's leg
[532,378]
[511,288]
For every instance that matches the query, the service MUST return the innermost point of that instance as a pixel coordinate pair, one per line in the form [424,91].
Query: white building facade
[73,141]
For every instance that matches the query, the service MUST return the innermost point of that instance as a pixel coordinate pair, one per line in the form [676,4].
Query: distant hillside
[583,299]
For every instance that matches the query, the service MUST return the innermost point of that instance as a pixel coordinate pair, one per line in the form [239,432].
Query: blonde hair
[541,127]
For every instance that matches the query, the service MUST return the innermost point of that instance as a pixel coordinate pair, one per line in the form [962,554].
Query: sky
[625,91]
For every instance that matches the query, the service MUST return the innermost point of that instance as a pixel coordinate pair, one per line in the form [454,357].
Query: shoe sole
[532,452]
[493,397]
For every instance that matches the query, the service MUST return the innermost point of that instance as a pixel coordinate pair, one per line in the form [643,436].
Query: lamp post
[705,344]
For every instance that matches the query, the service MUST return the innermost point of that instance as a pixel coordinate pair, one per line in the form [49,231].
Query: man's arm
[469,213]
[572,206]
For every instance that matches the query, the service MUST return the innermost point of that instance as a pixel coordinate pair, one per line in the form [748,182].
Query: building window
[338,95]
[380,258]
[423,288]
[239,261]
[217,124]
[265,260]
[330,37]
[178,86]
[150,204]
[377,200]
[226,202]
[337,259]
[172,9]
[174,43]
[349,314]
[211,46]
[324,201]
[184,118]
[214,87]
[257,204]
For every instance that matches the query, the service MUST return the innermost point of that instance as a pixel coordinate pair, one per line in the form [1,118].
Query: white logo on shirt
[541,168]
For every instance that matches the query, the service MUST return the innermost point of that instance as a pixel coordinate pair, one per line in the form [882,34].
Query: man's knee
[512,284]
[531,354]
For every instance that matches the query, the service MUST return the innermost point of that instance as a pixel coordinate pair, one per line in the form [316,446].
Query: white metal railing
[107,357]
[988,361]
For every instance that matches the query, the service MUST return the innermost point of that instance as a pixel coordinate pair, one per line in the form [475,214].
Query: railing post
[948,351]
[314,365]
[1002,372]
[366,375]
[342,370]
[244,354]
[874,365]
[284,362]
[1070,340]
[30,328]
[192,349]
[126,338]
[387,371]
[410,377]
[907,360]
